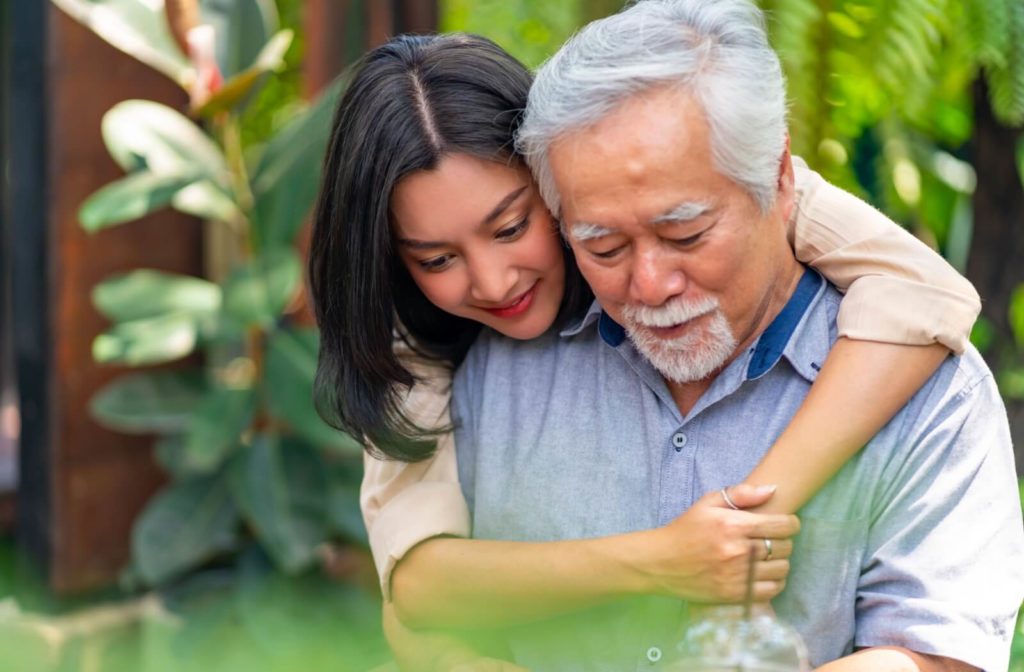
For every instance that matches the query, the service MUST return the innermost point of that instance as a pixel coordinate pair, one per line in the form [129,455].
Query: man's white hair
[717,50]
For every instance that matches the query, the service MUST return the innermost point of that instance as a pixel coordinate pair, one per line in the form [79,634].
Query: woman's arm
[906,307]
[472,583]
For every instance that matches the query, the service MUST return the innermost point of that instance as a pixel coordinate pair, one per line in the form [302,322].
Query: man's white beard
[691,357]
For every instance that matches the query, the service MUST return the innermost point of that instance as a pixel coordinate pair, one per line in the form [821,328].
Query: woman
[429,226]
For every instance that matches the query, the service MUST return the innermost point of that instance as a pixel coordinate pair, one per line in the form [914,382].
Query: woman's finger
[767,590]
[771,570]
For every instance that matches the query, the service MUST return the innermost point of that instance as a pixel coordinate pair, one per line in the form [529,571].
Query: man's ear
[785,198]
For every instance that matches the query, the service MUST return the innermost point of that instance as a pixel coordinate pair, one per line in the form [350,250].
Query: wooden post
[81,485]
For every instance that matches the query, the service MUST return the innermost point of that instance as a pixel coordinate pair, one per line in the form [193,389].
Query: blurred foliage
[531,30]
[244,618]
[248,456]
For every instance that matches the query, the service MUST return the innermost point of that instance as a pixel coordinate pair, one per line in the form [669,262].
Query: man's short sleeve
[944,567]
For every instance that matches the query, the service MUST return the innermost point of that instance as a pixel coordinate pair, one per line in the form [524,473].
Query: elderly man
[659,137]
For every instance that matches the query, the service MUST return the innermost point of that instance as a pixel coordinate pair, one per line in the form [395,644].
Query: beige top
[904,293]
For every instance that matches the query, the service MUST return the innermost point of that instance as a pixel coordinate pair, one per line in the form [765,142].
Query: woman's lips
[518,306]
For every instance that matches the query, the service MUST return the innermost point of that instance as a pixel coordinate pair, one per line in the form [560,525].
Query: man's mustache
[676,311]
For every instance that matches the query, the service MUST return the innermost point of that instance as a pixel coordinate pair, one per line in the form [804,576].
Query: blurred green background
[914,105]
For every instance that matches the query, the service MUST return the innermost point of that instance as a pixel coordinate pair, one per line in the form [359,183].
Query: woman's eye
[513,232]
[436,264]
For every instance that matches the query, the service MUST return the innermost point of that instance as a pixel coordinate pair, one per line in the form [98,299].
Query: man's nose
[490,278]
[655,278]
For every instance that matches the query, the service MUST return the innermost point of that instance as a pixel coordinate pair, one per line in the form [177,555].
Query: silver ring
[728,500]
[768,548]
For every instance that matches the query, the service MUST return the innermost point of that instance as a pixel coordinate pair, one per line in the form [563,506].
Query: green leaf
[285,181]
[289,370]
[146,134]
[131,197]
[182,527]
[204,199]
[137,28]
[169,453]
[345,515]
[242,27]
[160,402]
[239,87]
[282,490]
[1017,314]
[148,293]
[151,340]
[257,292]
[217,427]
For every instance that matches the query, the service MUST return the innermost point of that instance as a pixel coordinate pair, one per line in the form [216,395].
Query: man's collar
[804,342]
[777,339]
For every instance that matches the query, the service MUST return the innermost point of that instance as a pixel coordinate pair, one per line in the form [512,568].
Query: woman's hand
[703,555]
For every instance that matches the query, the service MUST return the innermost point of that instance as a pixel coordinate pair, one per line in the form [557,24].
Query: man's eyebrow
[501,207]
[684,212]
[584,231]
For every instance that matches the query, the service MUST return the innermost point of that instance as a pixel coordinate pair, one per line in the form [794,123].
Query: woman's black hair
[410,102]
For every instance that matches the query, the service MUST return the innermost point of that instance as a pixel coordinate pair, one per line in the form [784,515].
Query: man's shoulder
[494,357]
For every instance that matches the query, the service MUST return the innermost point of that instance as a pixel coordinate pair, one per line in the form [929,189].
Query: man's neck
[686,395]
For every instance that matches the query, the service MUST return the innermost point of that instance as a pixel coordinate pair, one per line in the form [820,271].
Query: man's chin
[690,358]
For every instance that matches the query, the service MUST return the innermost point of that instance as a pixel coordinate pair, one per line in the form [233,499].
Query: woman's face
[480,244]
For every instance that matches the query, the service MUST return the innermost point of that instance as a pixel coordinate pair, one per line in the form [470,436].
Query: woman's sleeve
[897,289]
[405,503]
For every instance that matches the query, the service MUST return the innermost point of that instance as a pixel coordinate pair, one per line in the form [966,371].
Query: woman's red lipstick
[517,306]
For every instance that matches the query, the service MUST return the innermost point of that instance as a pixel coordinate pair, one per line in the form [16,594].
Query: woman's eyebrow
[503,205]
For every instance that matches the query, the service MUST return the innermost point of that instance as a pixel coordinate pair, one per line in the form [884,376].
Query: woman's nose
[491,280]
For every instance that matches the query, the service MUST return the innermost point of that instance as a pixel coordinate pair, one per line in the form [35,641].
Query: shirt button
[679,440]
[654,654]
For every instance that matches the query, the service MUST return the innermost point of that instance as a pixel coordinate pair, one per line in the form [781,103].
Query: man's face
[677,253]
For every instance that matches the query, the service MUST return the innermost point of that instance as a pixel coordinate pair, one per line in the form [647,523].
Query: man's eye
[436,264]
[513,232]
[608,254]
[689,240]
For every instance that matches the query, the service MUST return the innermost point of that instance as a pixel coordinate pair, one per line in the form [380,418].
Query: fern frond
[1006,80]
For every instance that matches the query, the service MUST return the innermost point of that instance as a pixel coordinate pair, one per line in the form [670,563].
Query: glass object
[734,639]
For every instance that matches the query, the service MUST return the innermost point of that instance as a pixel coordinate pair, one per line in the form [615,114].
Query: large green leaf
[136,28]
[239,87]
[257,292]
[281,488]
[184,526]
[206,200]
[148,293]
[286,178]
[345,515]
[147,134]
[243,27]
[217,426]
[132,197]
[289,368]
[150,340]
[160,402]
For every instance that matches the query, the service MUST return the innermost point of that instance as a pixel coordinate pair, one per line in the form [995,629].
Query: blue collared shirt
[917,542]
